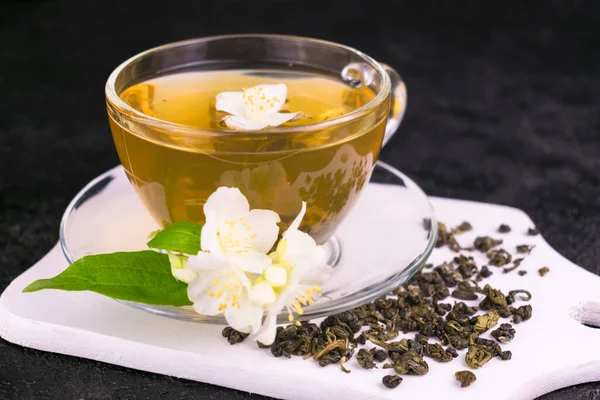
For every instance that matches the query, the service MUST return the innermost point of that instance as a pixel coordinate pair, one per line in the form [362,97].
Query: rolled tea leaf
[391,381]
[182,237]
[486,321]
[477,356]
[143,277]
[365,359]
[465,378]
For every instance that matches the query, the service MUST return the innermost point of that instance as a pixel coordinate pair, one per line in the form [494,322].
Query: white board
[550,351]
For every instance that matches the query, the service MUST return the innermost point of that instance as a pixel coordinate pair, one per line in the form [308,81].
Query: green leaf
[143,277]
[183,237]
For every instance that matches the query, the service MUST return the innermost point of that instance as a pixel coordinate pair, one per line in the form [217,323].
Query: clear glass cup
[175,167]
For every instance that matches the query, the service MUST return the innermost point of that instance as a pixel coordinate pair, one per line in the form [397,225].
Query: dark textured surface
[504,107]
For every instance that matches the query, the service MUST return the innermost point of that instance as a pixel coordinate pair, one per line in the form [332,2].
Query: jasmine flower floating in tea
[255,108]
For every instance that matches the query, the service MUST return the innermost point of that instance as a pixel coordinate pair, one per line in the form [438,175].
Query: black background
[504,107]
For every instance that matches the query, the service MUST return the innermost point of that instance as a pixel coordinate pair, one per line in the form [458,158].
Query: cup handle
[398,105]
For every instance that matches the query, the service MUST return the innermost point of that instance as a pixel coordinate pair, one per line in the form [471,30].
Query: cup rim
[122,107]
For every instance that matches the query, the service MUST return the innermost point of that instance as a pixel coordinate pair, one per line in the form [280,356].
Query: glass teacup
[175,166]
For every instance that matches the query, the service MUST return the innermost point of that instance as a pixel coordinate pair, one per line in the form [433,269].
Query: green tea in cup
[177,150]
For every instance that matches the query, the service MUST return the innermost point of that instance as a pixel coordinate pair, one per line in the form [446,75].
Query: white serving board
[550,351]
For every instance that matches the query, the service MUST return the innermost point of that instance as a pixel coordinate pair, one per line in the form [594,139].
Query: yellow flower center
[303,300]
[239,235]
[228,291]
[257,103]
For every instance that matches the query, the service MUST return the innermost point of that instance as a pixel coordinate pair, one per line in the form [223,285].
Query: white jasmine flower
[234,243]
[255,108]
[233,274]
[298,272]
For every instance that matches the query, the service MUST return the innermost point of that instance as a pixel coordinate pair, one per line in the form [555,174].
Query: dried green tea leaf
[486,321]
[379,355]
[458,342]
[446,238]
[484,273]
[297,340]
[391,381]
[494,299]
[486,243]
[465,378]
[503,228]
[516,264]
[504,333]
[462,228]
[449,275]
[510,298]
[525,248]
[452,351]
[477,356]
[499,258]
[521,314]
[330,352]
[233,336]
[466,266]
[410,363]
[365,359]
[486,344]
[438,353]
[464,294]
[543,271]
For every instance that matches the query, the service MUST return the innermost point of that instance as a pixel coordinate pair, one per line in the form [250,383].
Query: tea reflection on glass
[182,152]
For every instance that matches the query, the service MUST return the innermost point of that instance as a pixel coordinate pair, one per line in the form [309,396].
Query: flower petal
[250,261]
[231,102]
[263,230]
[264,100]
[296,222]
[242,123]
[314,271]
[279,118]
[242,278]
[207,306]
[267,333]
[298,245]
[302,252]
[256,230]
[225,203]
[246,318]
[204,261]
[209,239]
[198,290]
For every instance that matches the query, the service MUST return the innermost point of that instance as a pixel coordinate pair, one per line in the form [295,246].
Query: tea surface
[189,98]
[175,172]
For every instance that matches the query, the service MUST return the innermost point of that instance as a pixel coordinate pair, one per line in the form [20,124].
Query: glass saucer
[382,242]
